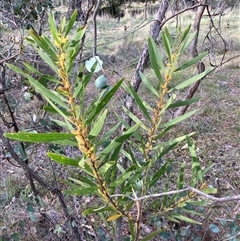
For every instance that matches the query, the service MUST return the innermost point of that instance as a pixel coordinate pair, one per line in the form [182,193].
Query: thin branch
[95,27]
[207,196]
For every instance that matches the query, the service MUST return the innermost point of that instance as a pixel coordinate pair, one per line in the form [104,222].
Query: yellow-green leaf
[114,217]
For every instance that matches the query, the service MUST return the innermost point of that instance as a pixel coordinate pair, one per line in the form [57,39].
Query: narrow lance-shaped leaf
[39,137]
[63,159]
[167,150]
[67,120]
[98,125]
[119,141]
[136,176]
[104,168]
[184,102]
[169,37]
[167,46]
[83,181]
[62,24]
[153,234]
[41,88]
[101,104]
[71,22]
[139,102]
[157,53]
[184,218]
[180,183]
[196,168]
[123,177]
[41,43]
[190,81]
[185,33]
[48,41]
[165,107]
[154,61]
[192,61]
[178,119]
[148,84]
[31,68]
[171,142]
[108,134]
[158,174]
[82,191]
[50,109]
[53,28]
[134,118]
[186,43]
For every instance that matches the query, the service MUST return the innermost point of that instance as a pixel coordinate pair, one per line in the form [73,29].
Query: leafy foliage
[122,190]
[26,11]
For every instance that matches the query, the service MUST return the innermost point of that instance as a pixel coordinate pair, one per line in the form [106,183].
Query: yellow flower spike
[84,131]
[57,44]
[166,76]
[169,65]
[61,73]
[64,40]
[173,57]
[71,100]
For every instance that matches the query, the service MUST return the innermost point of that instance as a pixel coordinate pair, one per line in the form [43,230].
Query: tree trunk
[76,4]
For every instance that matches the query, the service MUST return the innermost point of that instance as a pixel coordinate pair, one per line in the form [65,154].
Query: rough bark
[200,66]
[76,4]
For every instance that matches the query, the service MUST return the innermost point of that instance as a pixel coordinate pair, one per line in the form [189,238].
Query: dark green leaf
[180,182]
[53,28]
[63,159]
[42,44]
[152,235]
[192,61]
[178,119]
[104,168]
[98,125]
[119,141]
[154,61]
[148,84]
[183,103]
[83,181]
[190,81]
[39,137]
[103,102]
[82,191]
[71,22]
[185,33]
[123,177]
[50,109]
[159,174]
[196,167]
[184,218]
[134,118]
[140,103]
[167,45]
